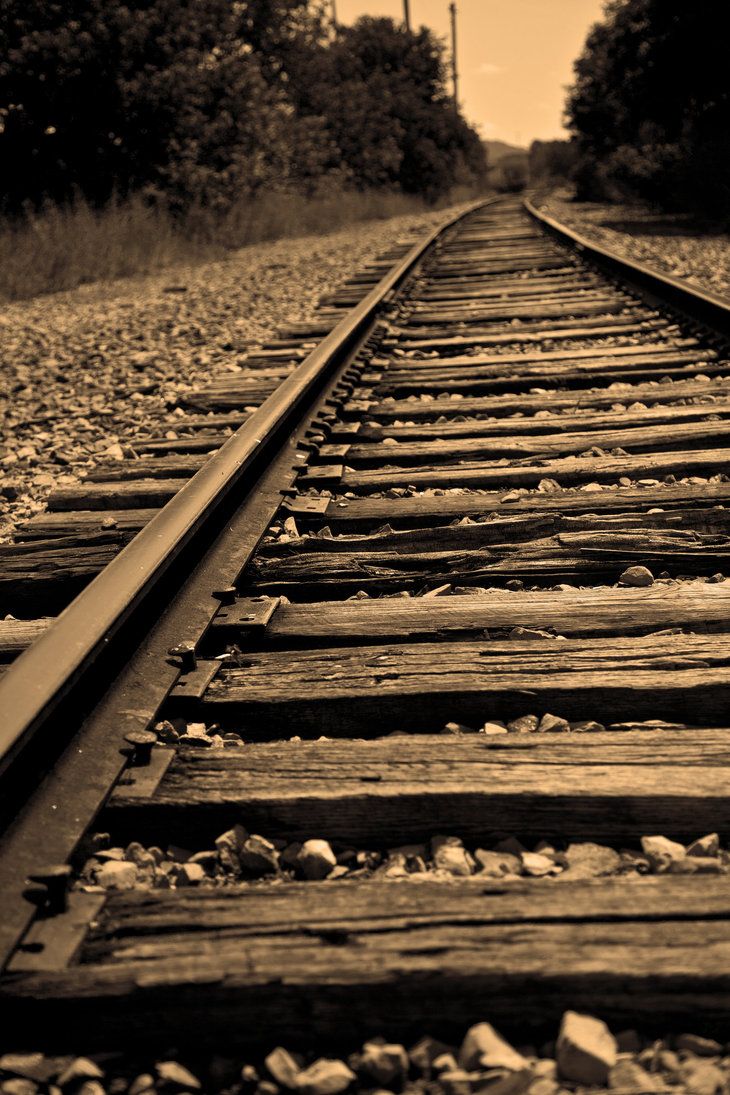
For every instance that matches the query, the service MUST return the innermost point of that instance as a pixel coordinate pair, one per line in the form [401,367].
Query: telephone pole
[407,14]
[454,75]
[334,15]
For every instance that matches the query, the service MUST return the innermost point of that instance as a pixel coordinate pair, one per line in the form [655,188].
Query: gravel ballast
[670,243]
[585,1055]
[239,857]
[92,368]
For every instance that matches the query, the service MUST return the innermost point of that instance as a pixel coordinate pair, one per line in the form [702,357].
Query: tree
[382,91]
[158,96]
[650,107]
[552,161]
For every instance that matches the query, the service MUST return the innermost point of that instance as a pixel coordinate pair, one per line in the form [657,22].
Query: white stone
[660,851]
[316,859]
[117,874]
[283,1067]
[636,576]
[585,1049]
[384,1062]
[325,1077]
[484,1048]
[449,854]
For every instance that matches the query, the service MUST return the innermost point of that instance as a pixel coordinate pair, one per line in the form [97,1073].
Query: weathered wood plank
[138,494]
[471,380]
[83,522]
[17,635]
[603,611]
[610,787]
[629,353]
[565,558]
[648,438]
[50,575]
[655,532]
[369,690]
[335,961]
[424,510]
[547,422]
[654,393]
[566,470]
[163,467]
[446,339]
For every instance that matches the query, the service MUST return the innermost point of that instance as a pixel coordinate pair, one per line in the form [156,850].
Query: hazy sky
[515,57]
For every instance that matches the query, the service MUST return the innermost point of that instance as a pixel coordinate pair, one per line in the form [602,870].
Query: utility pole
[334,16]
[454,75]
[407,14]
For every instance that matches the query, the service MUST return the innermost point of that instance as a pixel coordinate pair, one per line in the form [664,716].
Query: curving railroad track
[491,498]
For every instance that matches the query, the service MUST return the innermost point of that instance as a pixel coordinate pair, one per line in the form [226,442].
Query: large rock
[449,854]
[325,1077]
[627,1075]
[258,856]
[316,859]
[117,874]
[701,1047]
[384,1062]
[636,576]
[585,1049]
[588,860]
[661,851]
[703,1077]
[283,1067]
[483,1048]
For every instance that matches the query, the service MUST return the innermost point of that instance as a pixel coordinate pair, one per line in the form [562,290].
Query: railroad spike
[141,743]
[186,653]
[49,888]
[226,596]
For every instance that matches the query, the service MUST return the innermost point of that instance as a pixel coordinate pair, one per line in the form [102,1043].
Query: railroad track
[460,576]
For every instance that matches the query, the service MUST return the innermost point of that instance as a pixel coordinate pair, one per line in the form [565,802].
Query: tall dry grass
[62,247]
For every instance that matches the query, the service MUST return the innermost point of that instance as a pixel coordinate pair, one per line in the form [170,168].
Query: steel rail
[50,669]
[699,304]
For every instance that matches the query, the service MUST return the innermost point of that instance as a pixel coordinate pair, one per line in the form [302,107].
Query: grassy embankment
[62,247]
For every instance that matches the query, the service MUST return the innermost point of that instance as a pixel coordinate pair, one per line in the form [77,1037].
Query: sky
[515,57]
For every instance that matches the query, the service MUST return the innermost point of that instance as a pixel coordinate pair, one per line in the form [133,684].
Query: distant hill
[497,150]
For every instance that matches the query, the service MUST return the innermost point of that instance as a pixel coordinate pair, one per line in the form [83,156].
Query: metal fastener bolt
[141,742]
[50,891]
[226,596]
[186,653]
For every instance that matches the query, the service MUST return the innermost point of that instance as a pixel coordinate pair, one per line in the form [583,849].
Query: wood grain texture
[566,470]
[372,690]
[140,494]
[653,394]
[658,531]
[582,558]
[610,787]
[542,423]
[647,438]
[602,611]
[327,962]
[17,635]
[358,513]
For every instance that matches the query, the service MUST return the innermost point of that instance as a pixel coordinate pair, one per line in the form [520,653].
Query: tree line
[203,102]
[650,107]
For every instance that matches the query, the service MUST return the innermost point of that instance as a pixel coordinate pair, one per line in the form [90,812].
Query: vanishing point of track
[423,524]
